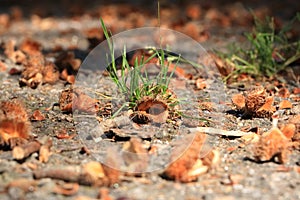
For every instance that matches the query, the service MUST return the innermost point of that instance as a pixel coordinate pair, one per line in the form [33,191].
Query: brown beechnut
[274,144]
[14,123]
[189,166]
[254,103]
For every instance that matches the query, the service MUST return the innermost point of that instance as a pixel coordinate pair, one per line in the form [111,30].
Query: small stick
[23,151]
[61,174]
[44,152]
[216,131]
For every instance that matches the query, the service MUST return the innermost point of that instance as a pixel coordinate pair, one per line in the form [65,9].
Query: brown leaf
[63,134]
[77,100]
[37,116]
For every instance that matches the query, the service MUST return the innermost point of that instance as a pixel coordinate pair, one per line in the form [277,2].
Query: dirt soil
[73,28]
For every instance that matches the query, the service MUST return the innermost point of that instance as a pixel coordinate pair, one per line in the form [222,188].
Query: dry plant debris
[91,173]
[38,71]
[276,143]
[150,109]
[255,103]
[77,100]
[14,122]
[37,115]
[190,165]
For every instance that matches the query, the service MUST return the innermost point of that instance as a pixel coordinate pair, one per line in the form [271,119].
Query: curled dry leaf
[14,121]
[272,144]
[37,116]
[296,121]
[63,134]
[77,100]
[189,165]
[255,103]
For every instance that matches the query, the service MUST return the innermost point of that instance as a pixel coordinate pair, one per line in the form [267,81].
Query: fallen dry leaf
[37,116]
[77,100]
[63,134]
[14,121]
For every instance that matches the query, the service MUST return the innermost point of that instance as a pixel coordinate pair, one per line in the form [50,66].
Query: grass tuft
[270,50]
